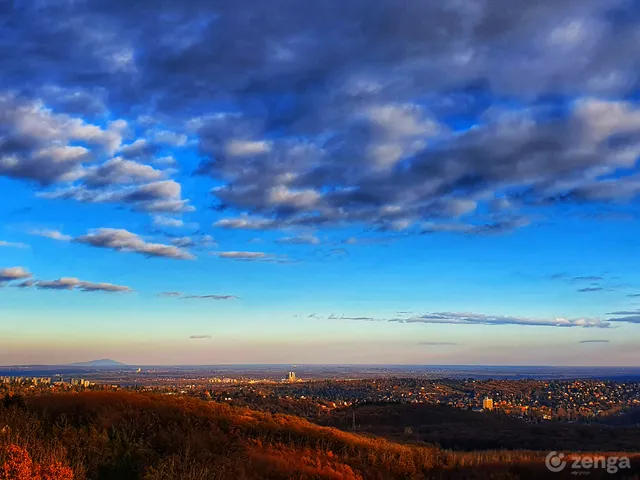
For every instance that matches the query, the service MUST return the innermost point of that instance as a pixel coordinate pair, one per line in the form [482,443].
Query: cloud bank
[461,318]
[453,118]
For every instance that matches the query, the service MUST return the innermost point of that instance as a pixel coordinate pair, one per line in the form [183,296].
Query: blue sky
[201,183]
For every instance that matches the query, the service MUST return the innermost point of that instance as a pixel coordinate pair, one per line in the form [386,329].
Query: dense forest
[101,435]
[459,429]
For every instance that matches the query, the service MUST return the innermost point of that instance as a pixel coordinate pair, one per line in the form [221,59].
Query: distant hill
[103,362]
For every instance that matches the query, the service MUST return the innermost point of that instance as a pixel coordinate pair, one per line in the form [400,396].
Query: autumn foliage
[121,436]
[18,465]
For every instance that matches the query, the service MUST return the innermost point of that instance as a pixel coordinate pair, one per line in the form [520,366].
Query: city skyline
[270,184]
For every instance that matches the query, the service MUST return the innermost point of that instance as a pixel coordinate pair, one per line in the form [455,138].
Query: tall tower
[291,376]
[487,403]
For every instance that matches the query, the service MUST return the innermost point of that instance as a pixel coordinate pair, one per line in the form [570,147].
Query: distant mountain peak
[103,362]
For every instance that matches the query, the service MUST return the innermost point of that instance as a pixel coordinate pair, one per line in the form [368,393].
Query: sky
[389,182]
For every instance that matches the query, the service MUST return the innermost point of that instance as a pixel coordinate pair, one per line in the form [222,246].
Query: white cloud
[161,221]
[243,148]
[52,234]
[13,244]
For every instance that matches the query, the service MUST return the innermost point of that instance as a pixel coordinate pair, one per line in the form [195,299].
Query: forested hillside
[100,435]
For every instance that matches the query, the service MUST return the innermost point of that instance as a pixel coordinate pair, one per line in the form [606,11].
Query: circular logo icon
[555,462]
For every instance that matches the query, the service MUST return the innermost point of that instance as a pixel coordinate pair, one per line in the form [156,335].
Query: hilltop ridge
[117,435]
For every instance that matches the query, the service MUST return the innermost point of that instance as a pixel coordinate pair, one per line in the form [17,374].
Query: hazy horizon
[293,364]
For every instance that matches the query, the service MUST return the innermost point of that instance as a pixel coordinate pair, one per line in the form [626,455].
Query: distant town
[535,400]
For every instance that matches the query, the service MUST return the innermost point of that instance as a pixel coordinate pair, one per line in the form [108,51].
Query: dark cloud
[200,337]
[594,341]
[101,287]
[591,289]
[184,296]
[362,319]
[625,312]
[196,240]
[183,242]
[594,283]
[245,223]
[338,254]
[14,273]
[493,228]
[588,278]
[625,316]
[170,294]
[70,283]
[88,103]
[119,171]
[253,257]
[124,241]
[51,148]
[156,197]
[606,216]
[437,344]
[44,147]
[299,240]
[141,149]
[210,297]
[326,114]
[594,279]
[64,283]
[633,295]
[291,48]
[559,276]
[627,319]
